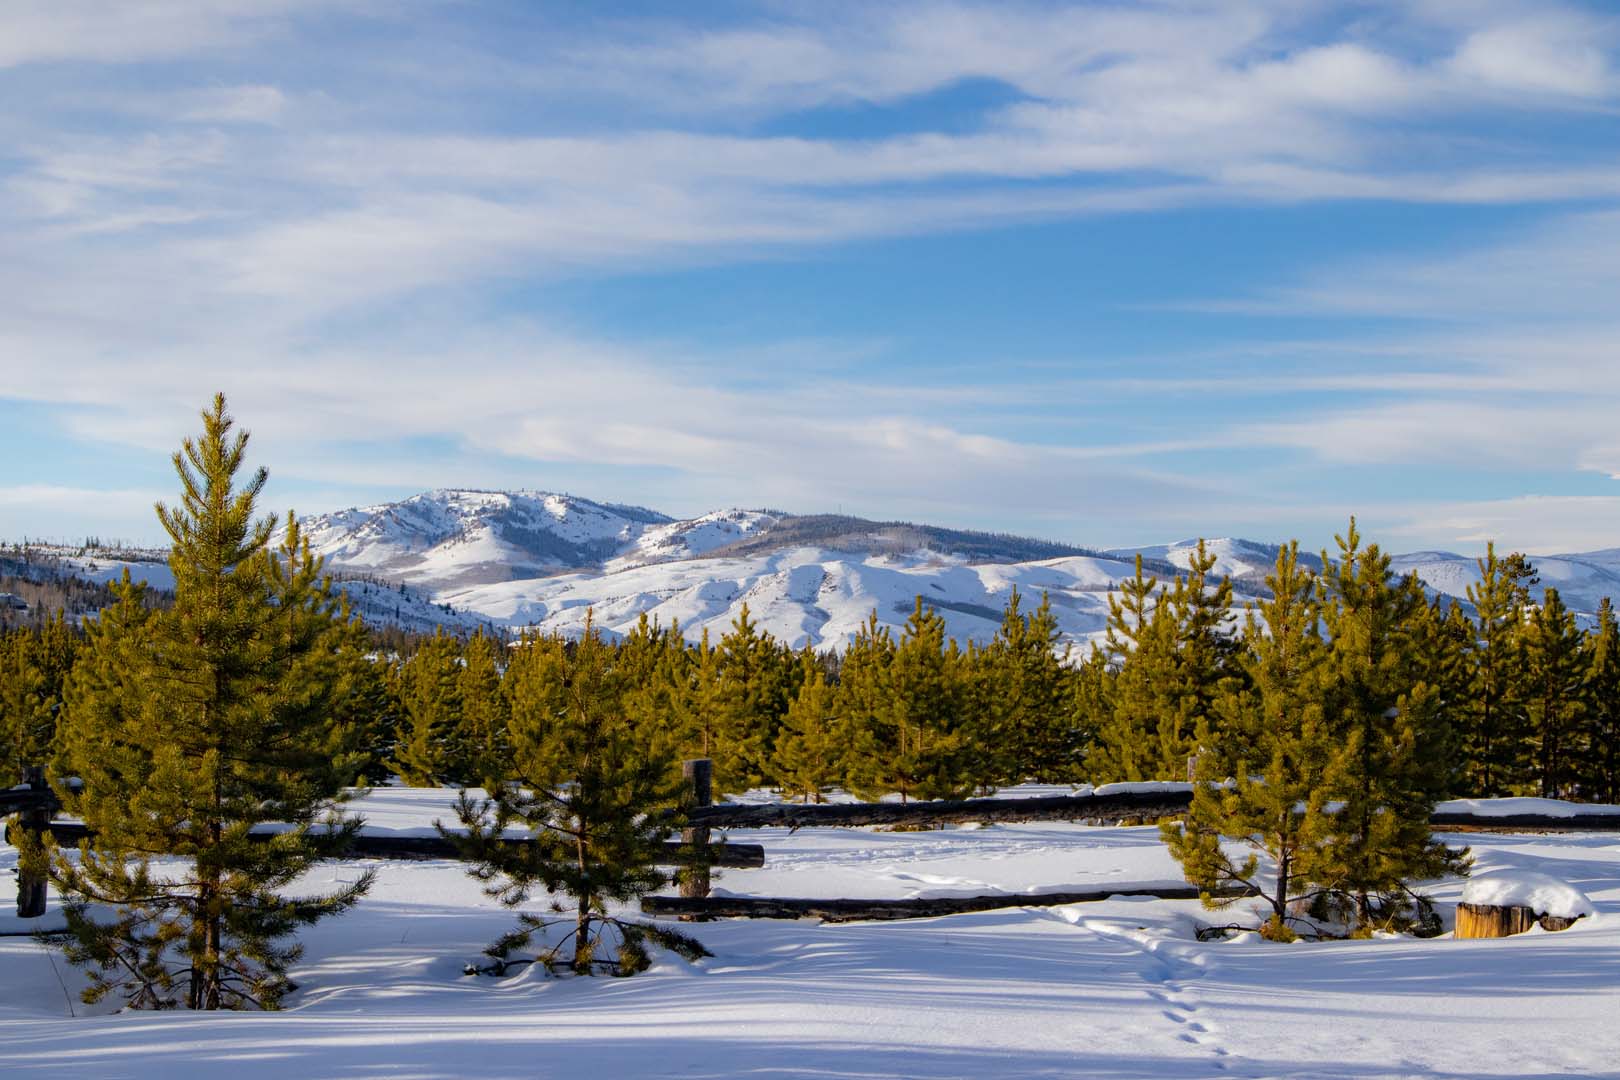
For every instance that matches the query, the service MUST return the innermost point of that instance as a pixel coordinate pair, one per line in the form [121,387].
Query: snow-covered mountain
[1582,581]
[1241,560]
[459,558]
[453,539]
[542,559]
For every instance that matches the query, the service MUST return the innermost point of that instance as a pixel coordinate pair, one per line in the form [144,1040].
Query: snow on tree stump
[1512,901]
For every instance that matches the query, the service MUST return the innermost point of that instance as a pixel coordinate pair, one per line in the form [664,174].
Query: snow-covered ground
[1119,989]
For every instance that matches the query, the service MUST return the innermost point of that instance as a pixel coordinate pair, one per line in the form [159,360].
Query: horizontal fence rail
[374,846]
[752,907]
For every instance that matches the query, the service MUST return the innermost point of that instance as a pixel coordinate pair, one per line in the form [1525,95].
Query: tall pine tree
[190,727]
[1380,774]
[1554,697]
[1275,800]
[1599,767]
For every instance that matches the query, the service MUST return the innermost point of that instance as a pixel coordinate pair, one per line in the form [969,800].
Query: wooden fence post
[699,774]
[35,820]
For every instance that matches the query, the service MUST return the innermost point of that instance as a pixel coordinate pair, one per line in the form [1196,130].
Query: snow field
[1119,989]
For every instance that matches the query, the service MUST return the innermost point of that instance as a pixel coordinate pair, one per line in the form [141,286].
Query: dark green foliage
[1598,769]
[749,699]
[910,712]
[1180,655]
[811,742]
[34,668]
[1379,705]
[1489,719]
[481,743]
[1554,697]
[1274,801]
[428,687]
[1024,689]
[597,801]
[190,726]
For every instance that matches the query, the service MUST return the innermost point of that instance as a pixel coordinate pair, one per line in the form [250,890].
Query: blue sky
[1110,273]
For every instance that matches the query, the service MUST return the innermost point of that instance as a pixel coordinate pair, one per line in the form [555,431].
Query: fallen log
[374,846]
[757,907]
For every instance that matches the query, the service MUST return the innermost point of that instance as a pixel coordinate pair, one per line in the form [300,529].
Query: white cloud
[236,105]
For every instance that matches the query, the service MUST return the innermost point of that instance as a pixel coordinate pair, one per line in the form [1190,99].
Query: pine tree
[34,667]
[1274,801]
[809,746]
[189,727]
[1139,650]
[919,752]
[1492,740]
[596,801]
[1174,654]
[1554,695]
[861,702]
[751,698]
[481,738]
[1599,766]
[660,688]
[1442,637]
[1378,706]
[428,687]
[1024,696]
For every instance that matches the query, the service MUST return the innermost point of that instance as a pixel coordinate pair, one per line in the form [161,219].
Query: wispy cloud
[328,242]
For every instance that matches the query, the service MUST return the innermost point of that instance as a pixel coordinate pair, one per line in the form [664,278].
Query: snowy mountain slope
[1582,581]
[531,558]
[1241,560]
[454,538]
[451,537]
[804,595]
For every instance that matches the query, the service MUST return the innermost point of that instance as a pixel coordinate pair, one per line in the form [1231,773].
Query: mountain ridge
[462,557]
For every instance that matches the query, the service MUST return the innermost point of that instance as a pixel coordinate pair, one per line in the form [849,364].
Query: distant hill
[517,559]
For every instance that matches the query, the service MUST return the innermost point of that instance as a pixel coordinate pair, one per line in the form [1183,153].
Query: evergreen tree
[1174,654]
[597,802]
[1275,800]
[481,739]
[428,685]
[1379,707]
[34,667]
[1491,738]
[751,698]
[919,752]
[1599,767]
[1024,691]
[661,692]
[861,702]
[1140,647]
[1554,695]
[368,706]
[189,727]
[809,746]
[1442,637]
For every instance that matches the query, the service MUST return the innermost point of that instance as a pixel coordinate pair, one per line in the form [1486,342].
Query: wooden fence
[34,803]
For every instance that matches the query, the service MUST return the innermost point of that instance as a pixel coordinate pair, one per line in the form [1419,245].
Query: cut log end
[1504,920]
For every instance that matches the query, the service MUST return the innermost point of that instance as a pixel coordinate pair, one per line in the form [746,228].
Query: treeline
[1521,699]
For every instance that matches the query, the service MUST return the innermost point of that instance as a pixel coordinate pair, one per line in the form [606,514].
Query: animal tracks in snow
[1167,967]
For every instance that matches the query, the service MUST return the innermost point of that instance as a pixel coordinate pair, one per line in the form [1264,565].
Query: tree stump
[1504,920]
